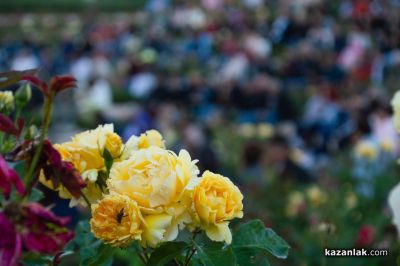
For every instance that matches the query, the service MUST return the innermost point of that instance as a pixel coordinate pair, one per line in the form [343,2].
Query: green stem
[176,262]
[142,258]
[47,113]
[85,198]
[192,250]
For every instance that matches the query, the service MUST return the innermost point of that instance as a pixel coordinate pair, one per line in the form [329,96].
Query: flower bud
[31,132]
[23,95]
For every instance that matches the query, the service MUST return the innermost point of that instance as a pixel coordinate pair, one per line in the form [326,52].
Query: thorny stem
[47,113]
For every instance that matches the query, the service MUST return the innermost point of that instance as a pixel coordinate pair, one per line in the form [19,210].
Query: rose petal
[9,177]
[10,242]
[60,83]
[7,125]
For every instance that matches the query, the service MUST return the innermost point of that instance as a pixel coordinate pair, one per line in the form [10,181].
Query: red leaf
[7,126]
[38,83]
[60,83]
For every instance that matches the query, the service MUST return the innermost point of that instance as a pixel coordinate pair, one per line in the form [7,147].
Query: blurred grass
[69,5]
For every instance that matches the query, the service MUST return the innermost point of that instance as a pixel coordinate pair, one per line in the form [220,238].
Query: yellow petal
[219,232]
[155,228]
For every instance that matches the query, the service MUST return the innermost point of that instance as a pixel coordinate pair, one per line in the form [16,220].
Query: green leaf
[254,235]
[84,236]
[36,259]
[215,253]
[92,252]
[35,195]
[108,160]
[103,257]
[166,253]
[250,256]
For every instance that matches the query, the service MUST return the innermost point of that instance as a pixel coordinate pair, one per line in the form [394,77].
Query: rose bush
[142,198]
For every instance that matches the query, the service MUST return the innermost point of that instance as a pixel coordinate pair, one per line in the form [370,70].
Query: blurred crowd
[318,73]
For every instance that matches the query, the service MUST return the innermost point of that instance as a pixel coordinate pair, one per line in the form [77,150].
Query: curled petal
[9,177]
[10,242]
[60,171]
[46,232]
[46,242]
[8,126]
[60,83]
[35,213]
[52,155]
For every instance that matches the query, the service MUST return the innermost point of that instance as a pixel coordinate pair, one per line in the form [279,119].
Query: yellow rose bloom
[157,180]
[151,138]
[366,150]
[316,196]
[265,130]
[295,204]
[85,152]
[216,201]
[116,220]
[6,101]
[387,146]
[144,141]
[101,137]
[153,177]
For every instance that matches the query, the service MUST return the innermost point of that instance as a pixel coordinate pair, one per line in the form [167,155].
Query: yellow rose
[387,146]
[366,150]
[6,101]
[151,138]
[153,177]
[396,110]
[85,152]
[144,141]
[216,201]
[116,220]
[351,200]
[247,130]
[295,204]
[265,130]
[157,180]
[316,196]
[101,137]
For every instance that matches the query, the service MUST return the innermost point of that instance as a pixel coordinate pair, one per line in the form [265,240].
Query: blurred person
[277,154]
[252,172]
[142,84]
[81,68]
[24,60]
[197,142]
[382,126]
[93,99]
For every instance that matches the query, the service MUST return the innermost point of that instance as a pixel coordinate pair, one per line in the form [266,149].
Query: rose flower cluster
[142,191]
